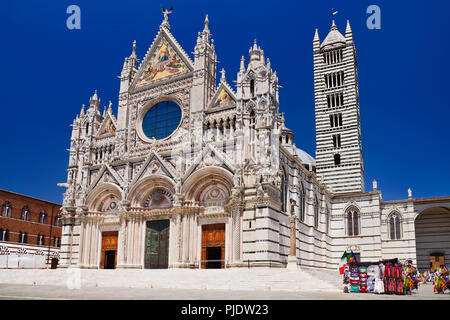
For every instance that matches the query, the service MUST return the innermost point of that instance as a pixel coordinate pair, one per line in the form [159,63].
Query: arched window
[337,159]
[23,237]
[58,220]
[43,217]
[284,192]
[6,210]
[25,213]
[41,240]
[252,87]
[302,203]
[394,227]
[352,222]
[316,212]
[4,235]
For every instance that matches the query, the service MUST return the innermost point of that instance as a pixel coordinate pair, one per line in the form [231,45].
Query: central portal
[213,246]
[157,244]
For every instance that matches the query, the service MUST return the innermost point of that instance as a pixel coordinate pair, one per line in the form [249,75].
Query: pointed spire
[133,54]
[110,107]
[333,26]
[268,63]
[255,46]
[316,35]
[104,111]
[348,29]
[206,32]
[242,66]
[82,110]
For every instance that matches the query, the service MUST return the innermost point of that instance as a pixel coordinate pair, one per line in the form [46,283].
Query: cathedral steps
[229,279]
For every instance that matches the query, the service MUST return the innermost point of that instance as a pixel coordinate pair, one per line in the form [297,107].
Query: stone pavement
[44,292]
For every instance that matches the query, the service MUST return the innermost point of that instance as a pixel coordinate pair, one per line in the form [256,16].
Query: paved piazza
[30,292]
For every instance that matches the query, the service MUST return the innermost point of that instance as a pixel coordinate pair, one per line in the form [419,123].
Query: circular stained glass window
[161,120]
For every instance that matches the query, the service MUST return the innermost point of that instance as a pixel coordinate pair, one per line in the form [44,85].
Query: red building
[28,226]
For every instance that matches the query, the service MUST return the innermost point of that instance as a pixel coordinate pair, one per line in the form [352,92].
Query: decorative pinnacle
[282,117]
[222,72]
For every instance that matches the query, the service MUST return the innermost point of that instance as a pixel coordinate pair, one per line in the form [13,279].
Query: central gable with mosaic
[164,62]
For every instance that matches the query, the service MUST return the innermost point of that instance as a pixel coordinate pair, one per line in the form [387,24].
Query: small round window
[161,120]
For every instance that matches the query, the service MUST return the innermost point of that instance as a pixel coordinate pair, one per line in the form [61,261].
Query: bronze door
[157,244]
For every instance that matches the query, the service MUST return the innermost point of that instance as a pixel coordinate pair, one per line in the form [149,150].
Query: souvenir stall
[382,277]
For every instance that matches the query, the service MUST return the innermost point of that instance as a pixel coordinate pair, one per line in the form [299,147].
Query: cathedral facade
[193,173]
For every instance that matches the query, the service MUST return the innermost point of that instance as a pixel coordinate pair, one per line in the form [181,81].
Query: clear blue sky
[48,71]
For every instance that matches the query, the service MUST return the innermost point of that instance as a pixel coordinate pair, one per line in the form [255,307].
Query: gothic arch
[143,189]
[200,185]
[104,198]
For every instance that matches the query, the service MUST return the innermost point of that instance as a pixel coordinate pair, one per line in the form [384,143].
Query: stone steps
[228,279]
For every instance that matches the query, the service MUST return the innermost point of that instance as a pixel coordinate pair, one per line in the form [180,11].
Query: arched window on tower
[394,227]
[316,212]
[352,222]
[337,159]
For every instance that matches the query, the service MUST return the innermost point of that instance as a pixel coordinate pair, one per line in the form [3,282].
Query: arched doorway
[432,233]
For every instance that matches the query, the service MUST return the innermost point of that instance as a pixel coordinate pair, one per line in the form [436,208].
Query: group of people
[394,278]
[440,279]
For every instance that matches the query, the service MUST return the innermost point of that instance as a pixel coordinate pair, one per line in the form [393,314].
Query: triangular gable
[154,164]
[224,98]
[209,153]
[165,59]
[107,175]
[108,125]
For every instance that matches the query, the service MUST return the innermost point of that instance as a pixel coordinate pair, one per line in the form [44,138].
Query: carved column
[292,260]
[236,233]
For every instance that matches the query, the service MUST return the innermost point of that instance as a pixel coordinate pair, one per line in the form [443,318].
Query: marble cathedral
[195,173]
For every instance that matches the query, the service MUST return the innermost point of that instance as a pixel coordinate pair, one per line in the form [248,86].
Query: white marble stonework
[230,160]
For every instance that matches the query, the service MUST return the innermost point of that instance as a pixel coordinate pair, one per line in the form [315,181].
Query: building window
[333,57]
[284,192]
[394,227]
[40,240]
[337,140]
[161,120]
[252,87]
[23,237]
[6,210]
[58,220]
[316,213]
[25,213]
[302,203]
[4,235]
[336,120]
[333,80]
[56,241]
[352,222]
[43,217]
[337,159]
[335,100]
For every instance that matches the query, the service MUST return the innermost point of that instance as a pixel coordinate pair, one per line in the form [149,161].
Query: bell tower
[339,158]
